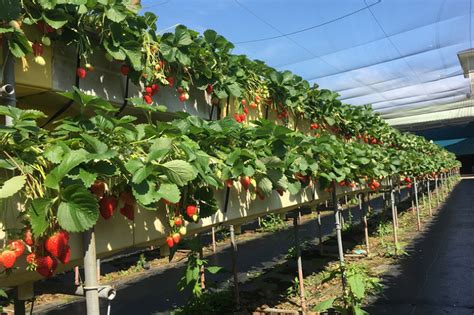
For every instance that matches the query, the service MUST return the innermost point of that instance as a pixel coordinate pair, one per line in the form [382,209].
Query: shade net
[394,54]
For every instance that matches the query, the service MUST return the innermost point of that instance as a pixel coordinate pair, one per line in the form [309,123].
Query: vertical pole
[202,270]
[19,305]
[98,270]
[337,216]
[320,232]
[234,266]
[213,234]
[395,231]
[90,273]
[429,197]
[299,263]
[418,222]
[364,219]
[437,190]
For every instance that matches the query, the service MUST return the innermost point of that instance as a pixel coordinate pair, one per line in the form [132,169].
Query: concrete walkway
[438,276]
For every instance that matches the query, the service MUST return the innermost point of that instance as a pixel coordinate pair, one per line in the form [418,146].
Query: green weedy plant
[272,223]
[191,280]
[359,284]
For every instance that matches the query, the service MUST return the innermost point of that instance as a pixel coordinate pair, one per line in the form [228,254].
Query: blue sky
[394,54]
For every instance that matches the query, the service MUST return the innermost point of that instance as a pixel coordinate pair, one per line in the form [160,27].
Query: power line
[155,5]
[304,29]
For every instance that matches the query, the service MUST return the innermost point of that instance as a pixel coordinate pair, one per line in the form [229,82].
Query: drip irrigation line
[125,98]
[68,104]
[304,29]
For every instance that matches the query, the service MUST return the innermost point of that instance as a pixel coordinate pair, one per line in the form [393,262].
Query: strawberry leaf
[78,210]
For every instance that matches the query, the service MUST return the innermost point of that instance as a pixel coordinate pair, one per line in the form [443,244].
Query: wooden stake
[213,234]
[418,222]
[320,233]
[234,266]
[364,208]
[299,263]
[395,232]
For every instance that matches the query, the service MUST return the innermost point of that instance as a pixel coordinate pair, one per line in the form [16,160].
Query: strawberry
[178,221]
[56,244]
[89,67]
[195,218]
[155,88]
[191,210]
[31,258]
[176,238]
[182,97]
[107,206]
[18,247]
[28,237]
[280,191]
[257,98]
[81,73]
[169,241]
[237,118]
[243,116]
[46,265]
[98,188]
[245,181]
[127,198]
[170,81]
[373,141]
[186,96]
[229,183]
[8,258]
[124,69]
[409,186]
[210,89]
[37,49]
[128,211]
[64,235]
[147,99]
[66,256]
[180,90]
[253,105]
[244,102]
[149,90]
[183,230]
[46,41]
[314,126]
[342,183]
[246,111]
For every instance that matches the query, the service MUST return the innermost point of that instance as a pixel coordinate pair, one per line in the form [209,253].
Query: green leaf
[12,186]
[54,153]
[170,192]
[357,285]
[116,14]
[179,172]
[37,212]
[265,185]
[55,18]
[78,210]
[182,37]
[159,149]
[324,305]
[70,160]
[214,269]
[97,145]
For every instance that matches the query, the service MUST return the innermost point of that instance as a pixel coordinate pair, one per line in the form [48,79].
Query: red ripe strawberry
[178,221]
[31,258]
[244,102]
[191,210]
[245,181]
[56,244]
[229,183]
[155,87]
[128,211]
[127,198]
[180,90]
[66,256]
[314,126]
[176,238]
[210,89]
[148,90]
[409,186]
[28,238]
[18,247]
[170,81]
[182,97]
[253,105]
[98,188]
[46,265]
[107,206]
[237,118]
[8,258]
[124,69]
[169,241]
[148,99]
[243,116]
[374,141]
[81,73]
[37,48]
[246,111]
[342,183]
